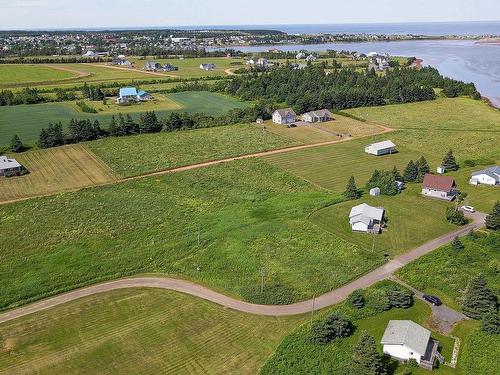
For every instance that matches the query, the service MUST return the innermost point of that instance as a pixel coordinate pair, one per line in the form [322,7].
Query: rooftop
[6,163]
[493,172]
[407,333]
[436,182]
[382,145]
[286,111]
[365,212]
[128,91]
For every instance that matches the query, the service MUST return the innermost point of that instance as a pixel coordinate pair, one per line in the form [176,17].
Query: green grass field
[153,152]
[30,74]
[140,331]
[27,120]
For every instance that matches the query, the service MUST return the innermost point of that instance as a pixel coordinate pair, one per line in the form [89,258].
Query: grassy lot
[230,220]
[153,152]
[160,103]
[27,74]
[55,170]
[446,271]
[27,120]
[297,355]
[408,225]
[137,331]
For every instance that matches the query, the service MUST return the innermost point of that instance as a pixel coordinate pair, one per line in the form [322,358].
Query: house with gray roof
[321,115]
[405,340]
[366,218]
[284,116]
[488,176]
[9,166]
[152,66]
[381,148]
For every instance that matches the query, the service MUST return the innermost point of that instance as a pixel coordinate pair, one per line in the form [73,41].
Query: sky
[56,14]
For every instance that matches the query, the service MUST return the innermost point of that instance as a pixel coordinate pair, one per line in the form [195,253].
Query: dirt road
[325,300]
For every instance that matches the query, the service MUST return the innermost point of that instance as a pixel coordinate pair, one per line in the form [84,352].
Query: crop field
[446,271]
[27,120]
[230,220]
[128,331]
[153,152]
[408,216]
[55,170]
[30,74]
[298,355]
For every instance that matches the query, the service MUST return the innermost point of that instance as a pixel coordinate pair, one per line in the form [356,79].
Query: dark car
[432,299]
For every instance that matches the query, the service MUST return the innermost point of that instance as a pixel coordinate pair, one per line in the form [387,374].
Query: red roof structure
[436,182]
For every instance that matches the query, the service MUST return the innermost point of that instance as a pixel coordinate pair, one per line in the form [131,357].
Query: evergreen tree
[130,126]
[333,327]
[374,180]
[422,168]
[366,359]
[86,91]
[478,299]
[490,323]
[43,139]
[456,244]
[493,219]
[410,173]
[396,174]
[455,217]
[449,162]
[351,191]
[113,127]
[16,145]
[356,299]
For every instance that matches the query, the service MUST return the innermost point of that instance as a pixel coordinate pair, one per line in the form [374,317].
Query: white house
[300,56]
[317,116]
[404,340]
[365,218]
[131,95]
[441,187]
[207,67]
[284,116]
[311,58]
[488,176]
[8,165]
[381,148]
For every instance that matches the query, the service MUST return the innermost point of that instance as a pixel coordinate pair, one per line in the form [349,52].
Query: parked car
[468,208]
[432,300]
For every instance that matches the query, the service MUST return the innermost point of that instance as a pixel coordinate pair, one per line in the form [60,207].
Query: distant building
[441,187]
[284,116]
[8,166]
[131,95]
[89,54]
[152,66]
[381,148]
[365,218]
[321,115]
[311,58]
[207,67]
[300,56]
[169,68]
[405,340]
[122,62]
[488,176]
[378,62]
[144,96]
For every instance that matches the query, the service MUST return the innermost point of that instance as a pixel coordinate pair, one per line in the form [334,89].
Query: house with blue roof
[131,95]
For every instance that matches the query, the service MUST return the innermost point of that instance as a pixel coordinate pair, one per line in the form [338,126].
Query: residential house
[144,96]
[381,148]
[122,62]
[311,58]
[152,66]
[89,54]
[365,218]
[488,176]
[207,67]
[378,62]
[8,166]
[131,95]
[405,340]
[300,56]
[284,116]
[317,116]
[169,68]
[441,187]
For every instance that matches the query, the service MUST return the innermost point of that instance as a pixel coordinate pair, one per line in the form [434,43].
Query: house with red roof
[441,187]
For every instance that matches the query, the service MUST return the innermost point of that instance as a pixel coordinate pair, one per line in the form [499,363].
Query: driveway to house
[328,299]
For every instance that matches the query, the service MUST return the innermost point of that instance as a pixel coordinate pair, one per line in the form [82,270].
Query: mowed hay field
[55,170]
[138,331]
[28,74]
[27,120]
[143,153]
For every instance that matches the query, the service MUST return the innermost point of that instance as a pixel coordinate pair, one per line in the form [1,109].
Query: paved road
[328,299]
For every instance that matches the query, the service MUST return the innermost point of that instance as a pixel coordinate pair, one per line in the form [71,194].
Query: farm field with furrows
[218,226]
[27,120]
[153,152]
[126,331]
[56,170]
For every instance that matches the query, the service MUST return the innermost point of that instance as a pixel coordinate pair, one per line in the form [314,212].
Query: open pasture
[55,170]
[25,74]
[27,120]
[127,331]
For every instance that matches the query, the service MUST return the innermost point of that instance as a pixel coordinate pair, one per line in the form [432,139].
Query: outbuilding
[375,191]
[8,166]
[488,176]
[381,148]
[365,218]
[321,115]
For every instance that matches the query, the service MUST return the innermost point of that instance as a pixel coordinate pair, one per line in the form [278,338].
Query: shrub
[490,323]
[456,244]
[399,297]
[276,294]
[455,217]
[85,107]
[333,327]
[377,300]
[356,299]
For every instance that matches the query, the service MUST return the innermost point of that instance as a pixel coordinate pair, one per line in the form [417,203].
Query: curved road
[325,300]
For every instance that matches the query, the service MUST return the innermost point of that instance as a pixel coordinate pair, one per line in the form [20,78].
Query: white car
[468,208]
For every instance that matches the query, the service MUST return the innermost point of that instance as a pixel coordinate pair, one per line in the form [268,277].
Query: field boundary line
[333,297]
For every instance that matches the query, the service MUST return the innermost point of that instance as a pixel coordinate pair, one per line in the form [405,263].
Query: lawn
[160,103]
[153,152]
[55,170]
[27,120]
[446,272]
[218,226]
[408,214]
[27,74]
[297,355]
[136,331]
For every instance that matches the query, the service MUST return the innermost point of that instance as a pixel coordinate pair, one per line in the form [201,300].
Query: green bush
[276,294]
[400,298]
[85,107]
[356,299]
[332,328]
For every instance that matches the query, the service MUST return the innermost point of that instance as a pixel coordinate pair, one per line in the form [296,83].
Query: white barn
[8,165]
[284,116]
[488,176]
[381,148]
[365,218]
[405,339]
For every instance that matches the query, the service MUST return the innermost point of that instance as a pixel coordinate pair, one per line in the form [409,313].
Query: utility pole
[199,234]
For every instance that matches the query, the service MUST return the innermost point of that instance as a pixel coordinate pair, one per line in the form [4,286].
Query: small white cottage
[365,218]
[381,148]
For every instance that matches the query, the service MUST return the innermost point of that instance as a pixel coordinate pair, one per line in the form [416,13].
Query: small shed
[441,169]
[260,121]
[375,191]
